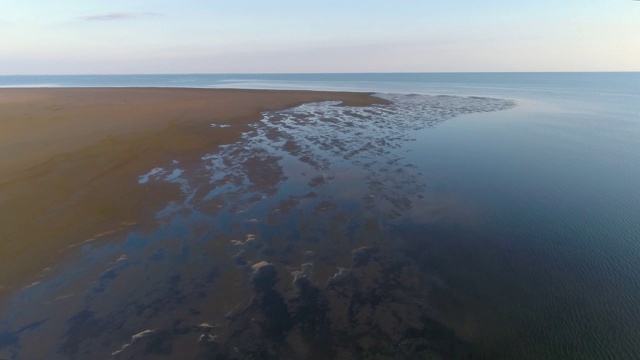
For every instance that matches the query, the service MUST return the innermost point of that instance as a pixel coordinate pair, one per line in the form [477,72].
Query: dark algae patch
[367,311]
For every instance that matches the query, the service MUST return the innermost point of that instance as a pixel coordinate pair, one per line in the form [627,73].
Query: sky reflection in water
[284,244]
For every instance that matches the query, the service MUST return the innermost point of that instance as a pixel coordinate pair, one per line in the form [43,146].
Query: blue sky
[252,36]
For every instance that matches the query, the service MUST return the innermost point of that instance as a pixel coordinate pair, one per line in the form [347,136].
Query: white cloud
[113,16]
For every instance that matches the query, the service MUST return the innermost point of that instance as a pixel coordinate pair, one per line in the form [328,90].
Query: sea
[474,216]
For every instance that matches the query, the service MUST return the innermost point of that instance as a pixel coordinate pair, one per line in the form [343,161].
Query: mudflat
[70,159]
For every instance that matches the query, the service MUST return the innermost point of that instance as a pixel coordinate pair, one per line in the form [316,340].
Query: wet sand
[70,159]
[210,236]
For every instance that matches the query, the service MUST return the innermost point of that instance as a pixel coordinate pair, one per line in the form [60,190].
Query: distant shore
[70,160]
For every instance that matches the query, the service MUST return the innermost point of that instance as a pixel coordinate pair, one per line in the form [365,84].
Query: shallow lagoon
[513,234]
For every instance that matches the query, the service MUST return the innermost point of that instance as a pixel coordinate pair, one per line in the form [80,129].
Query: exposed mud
[285,247]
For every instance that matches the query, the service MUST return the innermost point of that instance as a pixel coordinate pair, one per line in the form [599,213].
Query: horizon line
[332,73]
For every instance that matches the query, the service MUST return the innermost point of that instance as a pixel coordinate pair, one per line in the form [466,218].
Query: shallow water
[447,226]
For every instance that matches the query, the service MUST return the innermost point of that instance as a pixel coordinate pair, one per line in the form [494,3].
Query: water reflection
[286,245]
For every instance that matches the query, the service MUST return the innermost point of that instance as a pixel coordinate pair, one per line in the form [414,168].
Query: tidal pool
[313,236]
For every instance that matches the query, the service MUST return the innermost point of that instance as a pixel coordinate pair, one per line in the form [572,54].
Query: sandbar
[70,159]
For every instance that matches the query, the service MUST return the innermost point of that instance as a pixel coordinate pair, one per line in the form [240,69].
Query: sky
[286,36]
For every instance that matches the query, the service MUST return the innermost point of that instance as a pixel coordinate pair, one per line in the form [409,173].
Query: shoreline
[71,158]
[314,222]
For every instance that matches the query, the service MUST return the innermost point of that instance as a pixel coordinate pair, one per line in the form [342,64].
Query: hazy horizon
[161,37]
[329,73]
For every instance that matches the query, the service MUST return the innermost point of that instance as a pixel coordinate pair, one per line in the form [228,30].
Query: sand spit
[288,243]
[70,160]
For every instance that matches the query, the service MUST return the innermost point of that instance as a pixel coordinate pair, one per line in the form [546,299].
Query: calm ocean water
[525,233]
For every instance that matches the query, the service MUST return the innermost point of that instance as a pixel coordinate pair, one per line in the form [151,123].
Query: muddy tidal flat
[228,224]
